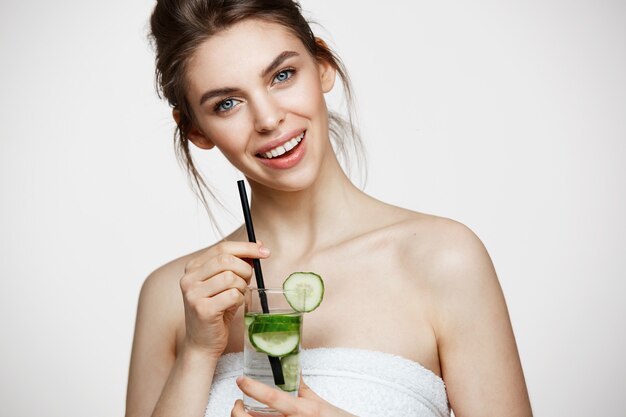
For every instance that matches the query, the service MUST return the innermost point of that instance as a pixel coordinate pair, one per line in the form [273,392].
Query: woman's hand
[307,404]
[213,288]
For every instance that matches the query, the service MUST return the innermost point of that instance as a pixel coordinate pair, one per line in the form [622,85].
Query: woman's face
[258,96]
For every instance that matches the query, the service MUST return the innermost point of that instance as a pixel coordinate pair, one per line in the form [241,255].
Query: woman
[404,291]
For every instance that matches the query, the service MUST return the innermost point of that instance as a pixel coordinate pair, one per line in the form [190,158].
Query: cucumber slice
[248,320]
[291,372]
[260,327]
[293,318]
[274,339]
[308,282]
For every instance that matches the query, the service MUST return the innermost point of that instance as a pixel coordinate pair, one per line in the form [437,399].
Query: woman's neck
[316,217]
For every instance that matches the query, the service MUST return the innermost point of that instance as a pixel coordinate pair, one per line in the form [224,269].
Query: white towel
[362,382]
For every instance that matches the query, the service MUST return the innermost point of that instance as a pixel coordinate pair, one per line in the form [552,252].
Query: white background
[507,116]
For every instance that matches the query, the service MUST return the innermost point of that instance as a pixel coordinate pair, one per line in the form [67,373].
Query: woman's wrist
[198,357]
[187,388]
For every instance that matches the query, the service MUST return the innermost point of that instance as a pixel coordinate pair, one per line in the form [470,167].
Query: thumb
[306,392]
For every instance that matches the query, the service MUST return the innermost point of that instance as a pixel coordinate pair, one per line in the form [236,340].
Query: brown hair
[178,27]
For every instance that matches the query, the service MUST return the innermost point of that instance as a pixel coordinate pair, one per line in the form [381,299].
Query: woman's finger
[305,392]
[213,267]
[238,249]
[278,400]
[221,282]
[238,410]
[226,300]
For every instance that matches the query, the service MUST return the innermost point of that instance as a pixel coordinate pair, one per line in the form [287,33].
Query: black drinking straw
[277,369]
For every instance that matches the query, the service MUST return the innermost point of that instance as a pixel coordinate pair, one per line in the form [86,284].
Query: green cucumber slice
[295,318]
[291,372]
[308,282]
[274,339]
[260,327]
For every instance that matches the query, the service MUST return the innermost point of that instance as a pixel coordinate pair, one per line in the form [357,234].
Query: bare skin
[423,285]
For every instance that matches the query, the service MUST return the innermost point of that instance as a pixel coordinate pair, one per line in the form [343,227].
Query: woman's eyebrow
[216,93]
[282,57]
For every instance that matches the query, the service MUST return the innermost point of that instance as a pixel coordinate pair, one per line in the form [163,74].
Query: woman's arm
[478,355]
[157,373]
[162,381]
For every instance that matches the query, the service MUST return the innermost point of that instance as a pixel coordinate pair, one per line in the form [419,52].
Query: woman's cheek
[229,133]
[304,98]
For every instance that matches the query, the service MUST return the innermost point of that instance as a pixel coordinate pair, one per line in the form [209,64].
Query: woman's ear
[327,76]
[326,70]
[195,135]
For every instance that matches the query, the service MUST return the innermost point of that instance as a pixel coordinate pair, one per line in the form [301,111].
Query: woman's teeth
[284,148]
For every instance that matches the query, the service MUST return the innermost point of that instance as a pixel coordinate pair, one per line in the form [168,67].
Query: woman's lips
[282,149]
[288,158]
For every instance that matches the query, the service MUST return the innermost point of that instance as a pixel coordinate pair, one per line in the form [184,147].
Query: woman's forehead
[248,46]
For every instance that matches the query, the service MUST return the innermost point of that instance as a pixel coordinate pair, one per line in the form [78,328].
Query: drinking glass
[272,341]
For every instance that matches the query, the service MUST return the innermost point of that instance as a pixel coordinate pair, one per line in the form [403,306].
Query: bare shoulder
[438,254]
[439,248]
[160,308]
[441,257]
[158,325]
[475,341]
[160,292]
[451,259]
[163,283]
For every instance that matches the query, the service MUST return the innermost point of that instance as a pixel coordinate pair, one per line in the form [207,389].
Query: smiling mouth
[283,149]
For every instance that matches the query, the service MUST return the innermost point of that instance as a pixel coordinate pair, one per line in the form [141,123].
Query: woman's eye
[284,75]
[226,105]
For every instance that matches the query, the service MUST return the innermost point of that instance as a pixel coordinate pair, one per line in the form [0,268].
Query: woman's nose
[268,114]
